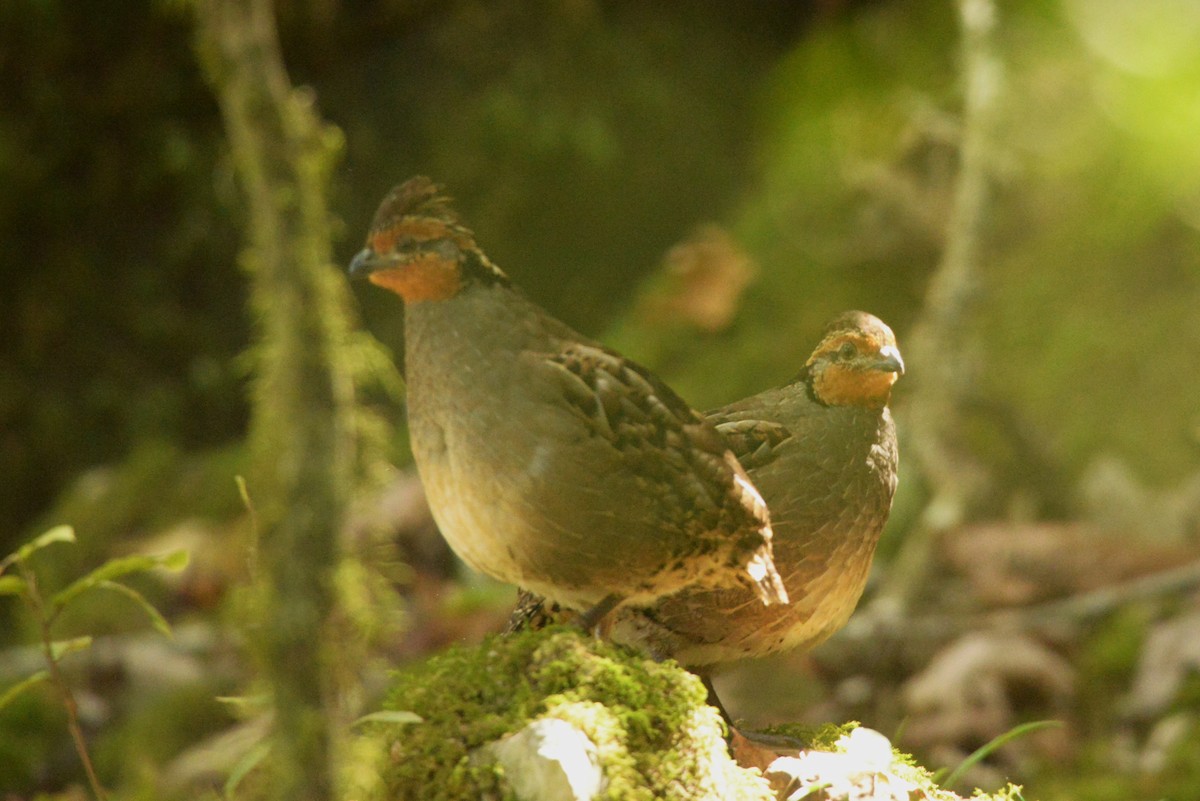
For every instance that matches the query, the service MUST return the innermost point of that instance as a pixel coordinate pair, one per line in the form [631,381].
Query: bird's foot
[589,620]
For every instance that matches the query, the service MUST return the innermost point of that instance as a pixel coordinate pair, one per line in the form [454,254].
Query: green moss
[821,738]
[1011,792]
[654,735]
[861,765]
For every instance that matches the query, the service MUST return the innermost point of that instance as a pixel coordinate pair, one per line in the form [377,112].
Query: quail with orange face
[550,461]
[822,450]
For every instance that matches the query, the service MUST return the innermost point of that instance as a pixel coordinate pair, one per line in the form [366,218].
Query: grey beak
[363,263]
[890,361]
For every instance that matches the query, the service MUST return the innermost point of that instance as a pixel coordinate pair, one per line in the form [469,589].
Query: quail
[550,461]
[822,449]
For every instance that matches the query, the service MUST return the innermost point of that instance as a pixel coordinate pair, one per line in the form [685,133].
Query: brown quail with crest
[550,461]
[822,450]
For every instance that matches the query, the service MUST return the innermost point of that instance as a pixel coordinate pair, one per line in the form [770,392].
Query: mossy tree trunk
[302,425]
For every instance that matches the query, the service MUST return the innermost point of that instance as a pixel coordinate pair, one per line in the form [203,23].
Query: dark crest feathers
[418,196]
[853,321]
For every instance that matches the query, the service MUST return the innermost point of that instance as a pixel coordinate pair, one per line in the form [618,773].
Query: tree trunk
[302,422]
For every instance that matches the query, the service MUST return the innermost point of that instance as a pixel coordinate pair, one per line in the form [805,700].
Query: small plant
[985,750]
[23,582]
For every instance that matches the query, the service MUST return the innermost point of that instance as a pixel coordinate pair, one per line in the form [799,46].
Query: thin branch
[59,681]
[1102,601]
[1049,616]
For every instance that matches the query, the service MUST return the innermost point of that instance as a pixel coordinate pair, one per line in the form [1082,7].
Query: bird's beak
[888,361]
[365,262]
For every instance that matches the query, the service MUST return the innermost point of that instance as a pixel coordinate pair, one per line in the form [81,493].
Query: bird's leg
[592,617]
[714,700]
[779,743]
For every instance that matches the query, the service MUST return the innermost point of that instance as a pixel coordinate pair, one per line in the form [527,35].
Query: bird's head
[856,362]
[418,248]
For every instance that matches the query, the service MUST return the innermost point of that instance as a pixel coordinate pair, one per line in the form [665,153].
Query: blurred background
[701,185]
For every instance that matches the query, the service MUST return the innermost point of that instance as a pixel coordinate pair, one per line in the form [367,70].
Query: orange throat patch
[424,278]
[839,386]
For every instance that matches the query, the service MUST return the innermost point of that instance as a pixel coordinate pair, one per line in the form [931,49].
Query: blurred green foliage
[1088,334]
[121,306]
[582,140]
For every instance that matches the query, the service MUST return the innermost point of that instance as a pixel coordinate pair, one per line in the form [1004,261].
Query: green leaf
[981,753]
[175,560]
[12,585]
[159,622]
[56,534]
[60,648]
[394,717]
[244,765]
[115,568]
[11,694]
[245,704]
[243,492]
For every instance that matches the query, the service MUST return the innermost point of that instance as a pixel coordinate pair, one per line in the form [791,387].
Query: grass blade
[982,752]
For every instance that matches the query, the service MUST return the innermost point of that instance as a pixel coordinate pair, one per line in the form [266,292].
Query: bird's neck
[480,317]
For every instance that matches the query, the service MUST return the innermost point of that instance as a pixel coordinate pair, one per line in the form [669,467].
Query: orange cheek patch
[428,278]
[841,387]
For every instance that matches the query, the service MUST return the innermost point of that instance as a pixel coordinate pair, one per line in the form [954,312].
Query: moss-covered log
[556,714]
[654,736]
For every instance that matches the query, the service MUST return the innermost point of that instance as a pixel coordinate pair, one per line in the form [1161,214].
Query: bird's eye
[847,351]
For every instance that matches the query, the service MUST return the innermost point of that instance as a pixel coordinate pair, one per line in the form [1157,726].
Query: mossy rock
[655,737]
